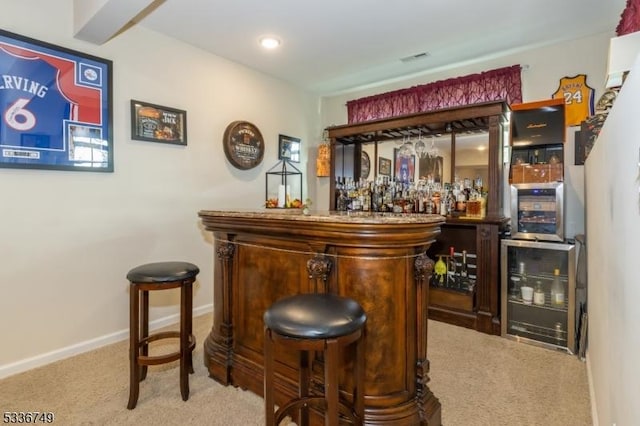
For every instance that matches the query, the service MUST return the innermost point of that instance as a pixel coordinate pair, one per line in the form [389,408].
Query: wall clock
[243,145]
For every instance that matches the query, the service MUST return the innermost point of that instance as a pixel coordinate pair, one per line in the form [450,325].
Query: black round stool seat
[315,316]
[308,323]
[144,279]
[162,272]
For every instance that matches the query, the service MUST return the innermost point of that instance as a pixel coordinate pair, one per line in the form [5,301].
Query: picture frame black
[289,148]
[157,123]
[59,115]
[384,166]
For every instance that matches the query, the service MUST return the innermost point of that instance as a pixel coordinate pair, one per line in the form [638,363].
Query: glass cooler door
[537,211]
[538,293]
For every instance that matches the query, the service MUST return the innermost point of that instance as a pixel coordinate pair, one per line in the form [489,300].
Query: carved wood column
[487,296]
[423,268]
[219,343]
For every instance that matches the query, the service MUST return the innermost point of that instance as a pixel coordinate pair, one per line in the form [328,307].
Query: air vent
[414,57]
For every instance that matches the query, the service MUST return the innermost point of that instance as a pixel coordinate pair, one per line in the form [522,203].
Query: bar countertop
[327,216]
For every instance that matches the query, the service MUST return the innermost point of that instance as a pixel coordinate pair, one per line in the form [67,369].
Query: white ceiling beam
[97,21]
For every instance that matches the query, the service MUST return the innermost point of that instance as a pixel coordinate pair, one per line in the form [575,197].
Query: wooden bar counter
[377,259]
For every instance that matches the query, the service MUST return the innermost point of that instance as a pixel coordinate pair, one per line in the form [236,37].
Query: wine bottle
[463,267]
[557,290]
[440,271]
[451,273]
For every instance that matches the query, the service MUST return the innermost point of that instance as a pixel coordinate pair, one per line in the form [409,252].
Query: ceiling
[334,46]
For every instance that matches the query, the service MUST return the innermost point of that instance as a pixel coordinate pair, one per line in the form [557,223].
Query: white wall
[613,244]
[67,239]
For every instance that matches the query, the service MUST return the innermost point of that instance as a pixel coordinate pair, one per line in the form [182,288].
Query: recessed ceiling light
[269,42]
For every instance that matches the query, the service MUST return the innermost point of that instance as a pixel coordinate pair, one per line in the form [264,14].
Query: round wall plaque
[243,145]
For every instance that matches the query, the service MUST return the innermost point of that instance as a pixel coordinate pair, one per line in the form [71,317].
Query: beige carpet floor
[479,380]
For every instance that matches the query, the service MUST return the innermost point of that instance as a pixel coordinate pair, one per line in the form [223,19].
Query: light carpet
[479,379]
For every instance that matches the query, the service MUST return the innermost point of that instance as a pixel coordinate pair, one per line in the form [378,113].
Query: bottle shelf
[548,334]
[539,277]
[547,304]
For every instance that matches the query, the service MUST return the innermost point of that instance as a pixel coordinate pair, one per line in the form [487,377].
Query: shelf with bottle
[455,271]
[547,291]
[546,305]
[553,335]
[384,194]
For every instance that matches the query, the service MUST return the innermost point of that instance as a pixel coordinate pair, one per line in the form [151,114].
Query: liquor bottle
[536,157]
[463,267]
[365,195]
[440,271]
[451,273]
[451,202]
[557,290]
[559,333]
[538,294]
[465,282]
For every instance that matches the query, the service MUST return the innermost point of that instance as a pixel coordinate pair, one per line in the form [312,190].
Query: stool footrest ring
[318,401]
[161,359]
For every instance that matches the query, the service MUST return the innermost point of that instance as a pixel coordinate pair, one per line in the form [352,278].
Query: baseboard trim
[88,345]
[592,393]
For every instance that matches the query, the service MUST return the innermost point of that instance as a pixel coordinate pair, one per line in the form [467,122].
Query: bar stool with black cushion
[316,322]
[151,277]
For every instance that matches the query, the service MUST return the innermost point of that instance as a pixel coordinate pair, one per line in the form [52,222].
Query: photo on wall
[404,167]
[431,168]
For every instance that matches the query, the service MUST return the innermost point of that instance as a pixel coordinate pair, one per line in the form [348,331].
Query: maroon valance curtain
[499,84]
[630,18]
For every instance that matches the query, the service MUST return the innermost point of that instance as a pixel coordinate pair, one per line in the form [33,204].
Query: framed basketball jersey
[578,98]
[56,107]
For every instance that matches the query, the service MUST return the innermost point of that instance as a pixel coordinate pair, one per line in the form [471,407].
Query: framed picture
[58,111]
[405,166]
[365,165]
[289,148]
[431,168]
[157,123]
[384,166]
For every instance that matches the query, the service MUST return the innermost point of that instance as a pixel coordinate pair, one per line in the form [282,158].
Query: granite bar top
[327,216]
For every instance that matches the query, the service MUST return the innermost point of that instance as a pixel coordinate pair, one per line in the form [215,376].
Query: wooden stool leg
[190,322]
[331,362]
[185,354]
[359,371]
[304,380]
[134,349]
[269,404]
[144,329]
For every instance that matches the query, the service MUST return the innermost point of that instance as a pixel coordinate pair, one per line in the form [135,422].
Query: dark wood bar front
[379,260]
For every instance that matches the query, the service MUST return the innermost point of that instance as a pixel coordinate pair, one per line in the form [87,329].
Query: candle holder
[283,186]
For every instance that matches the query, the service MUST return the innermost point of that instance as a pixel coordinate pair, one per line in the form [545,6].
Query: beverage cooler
[538,293]
[537,211]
